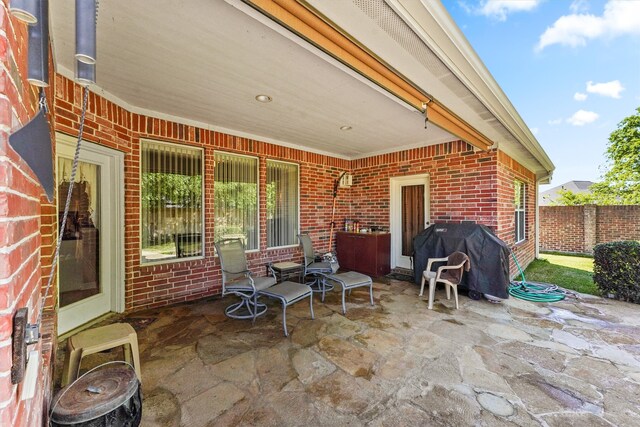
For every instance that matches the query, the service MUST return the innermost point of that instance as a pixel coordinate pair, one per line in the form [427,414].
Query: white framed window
[520,210]
[171,201]
[282,203]
[235,191]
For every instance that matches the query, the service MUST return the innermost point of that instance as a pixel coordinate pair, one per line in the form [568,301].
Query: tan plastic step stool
[100,339]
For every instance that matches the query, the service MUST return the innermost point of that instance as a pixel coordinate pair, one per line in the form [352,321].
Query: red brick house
[179,149]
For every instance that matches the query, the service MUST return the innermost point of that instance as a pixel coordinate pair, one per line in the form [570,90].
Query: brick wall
[151,286]
[562,228]
[463,186]
[509,171]
[577,229]
[21,206]
[460,184]
[615,223]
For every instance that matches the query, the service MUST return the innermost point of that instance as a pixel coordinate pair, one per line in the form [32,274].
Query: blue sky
[570,68]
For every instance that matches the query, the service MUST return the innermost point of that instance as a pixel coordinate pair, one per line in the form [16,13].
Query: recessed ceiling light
[345,128]
[263,98]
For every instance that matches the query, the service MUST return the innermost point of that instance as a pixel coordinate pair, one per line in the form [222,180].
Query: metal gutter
[431,21]
[303,20]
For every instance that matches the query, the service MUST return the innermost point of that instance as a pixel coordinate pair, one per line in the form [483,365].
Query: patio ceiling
[206,61]
[203,62]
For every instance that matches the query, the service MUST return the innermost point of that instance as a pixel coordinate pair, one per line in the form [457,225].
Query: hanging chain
[72,179]
[43,101]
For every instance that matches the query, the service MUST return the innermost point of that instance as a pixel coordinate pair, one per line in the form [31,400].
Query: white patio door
[409,216]
[90,275]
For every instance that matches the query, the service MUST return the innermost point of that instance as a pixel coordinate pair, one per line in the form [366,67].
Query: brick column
[590,220]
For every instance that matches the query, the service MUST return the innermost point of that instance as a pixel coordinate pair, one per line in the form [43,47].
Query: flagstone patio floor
[576,362]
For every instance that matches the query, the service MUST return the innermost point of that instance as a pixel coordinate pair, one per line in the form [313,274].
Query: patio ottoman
[350,280]
[289,293]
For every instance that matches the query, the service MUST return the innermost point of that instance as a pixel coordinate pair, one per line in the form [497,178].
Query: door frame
[395,209]
[114,162]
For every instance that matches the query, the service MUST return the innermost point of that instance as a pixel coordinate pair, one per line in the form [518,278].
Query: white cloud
[534,130]
[611,89]
[555,122]
[499,9]
[579,96]
[578,6]
[582,117]
[620,17]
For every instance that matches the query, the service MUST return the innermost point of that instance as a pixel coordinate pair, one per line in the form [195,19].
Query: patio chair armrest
[272,272]
[432,260]
[447,267]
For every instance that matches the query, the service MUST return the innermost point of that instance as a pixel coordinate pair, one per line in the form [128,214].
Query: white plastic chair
[450,275]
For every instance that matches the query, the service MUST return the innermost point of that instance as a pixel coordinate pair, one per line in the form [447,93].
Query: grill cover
[489,256]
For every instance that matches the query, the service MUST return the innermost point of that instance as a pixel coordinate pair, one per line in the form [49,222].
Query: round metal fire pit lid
[95,395]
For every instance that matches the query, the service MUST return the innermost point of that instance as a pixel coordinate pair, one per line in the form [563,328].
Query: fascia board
[448,43]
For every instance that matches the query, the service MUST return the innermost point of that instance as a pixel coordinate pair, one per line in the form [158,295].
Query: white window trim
[522,209]
[293,245]
[67,144]
[248,251]
[202,169]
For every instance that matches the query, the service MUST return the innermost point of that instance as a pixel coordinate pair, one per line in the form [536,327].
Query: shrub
[617,270]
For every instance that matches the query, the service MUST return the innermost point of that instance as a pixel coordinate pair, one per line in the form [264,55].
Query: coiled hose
[535,293]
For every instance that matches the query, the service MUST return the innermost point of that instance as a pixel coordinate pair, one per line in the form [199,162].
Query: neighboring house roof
[550,196]
[202,63]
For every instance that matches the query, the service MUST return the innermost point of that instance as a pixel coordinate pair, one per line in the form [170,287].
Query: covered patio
[576,362]
[198,106]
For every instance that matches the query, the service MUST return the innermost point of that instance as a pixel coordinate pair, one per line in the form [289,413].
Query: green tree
[621,184]
[569,198]
[162,189]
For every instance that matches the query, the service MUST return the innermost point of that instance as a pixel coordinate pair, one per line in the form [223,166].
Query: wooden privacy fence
[577,229]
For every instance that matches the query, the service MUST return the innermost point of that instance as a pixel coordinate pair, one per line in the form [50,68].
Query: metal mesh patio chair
[450,275]
[315,269]
[237,280]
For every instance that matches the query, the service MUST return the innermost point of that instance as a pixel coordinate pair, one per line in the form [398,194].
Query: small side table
[286,270]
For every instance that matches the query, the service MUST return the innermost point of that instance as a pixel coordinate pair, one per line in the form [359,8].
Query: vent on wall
[346,181]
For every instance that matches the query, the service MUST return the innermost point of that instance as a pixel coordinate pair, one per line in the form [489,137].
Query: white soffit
[205,61]
[445,73]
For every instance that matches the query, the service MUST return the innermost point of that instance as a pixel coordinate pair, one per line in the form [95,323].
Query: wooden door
[413,208]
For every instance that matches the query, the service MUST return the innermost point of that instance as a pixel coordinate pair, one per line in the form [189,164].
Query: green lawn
[570,272]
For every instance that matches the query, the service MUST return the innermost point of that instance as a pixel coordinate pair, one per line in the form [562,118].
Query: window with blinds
[171,201]
[282,203]
[520,212]
[236,198]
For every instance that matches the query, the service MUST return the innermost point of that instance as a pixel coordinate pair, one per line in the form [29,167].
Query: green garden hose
[535,293]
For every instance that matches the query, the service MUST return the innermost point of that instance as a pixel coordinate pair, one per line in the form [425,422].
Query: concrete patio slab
[576,362]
